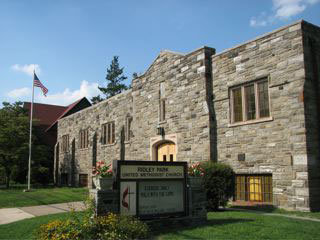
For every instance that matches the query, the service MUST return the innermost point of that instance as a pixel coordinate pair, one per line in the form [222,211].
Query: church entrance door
[166,152]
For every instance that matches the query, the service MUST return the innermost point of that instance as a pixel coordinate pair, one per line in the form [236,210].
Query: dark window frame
[253,107]
[65,143]
[128,128]
[84,139]
[243,189]
[108,133]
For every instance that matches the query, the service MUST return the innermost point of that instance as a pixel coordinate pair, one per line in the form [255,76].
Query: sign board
[152,189]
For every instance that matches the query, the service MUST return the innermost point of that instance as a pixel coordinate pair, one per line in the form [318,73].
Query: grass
[220,225]
[272,209]
[15,197]
[244,225]
[25,229]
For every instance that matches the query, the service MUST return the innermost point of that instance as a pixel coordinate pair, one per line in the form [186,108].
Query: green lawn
[272,209]
[24,229]
[244,225]
[42,196]
[220,225]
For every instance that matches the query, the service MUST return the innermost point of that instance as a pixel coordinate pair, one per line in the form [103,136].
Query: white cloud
[68,96]
[282,10]
[27,68]
[19,93]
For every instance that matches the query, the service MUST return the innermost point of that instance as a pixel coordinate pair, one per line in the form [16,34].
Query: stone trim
[157,140]
[261,120]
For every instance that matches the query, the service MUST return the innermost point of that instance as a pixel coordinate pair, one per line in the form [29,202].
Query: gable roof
[46,114]
[72,108]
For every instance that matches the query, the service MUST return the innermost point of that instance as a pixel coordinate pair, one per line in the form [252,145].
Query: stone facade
[196,90]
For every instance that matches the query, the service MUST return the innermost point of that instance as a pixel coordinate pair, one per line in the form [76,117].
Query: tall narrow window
[104,134]
[84,143]
[162,110]
[263,99]
[162,103]
[112,140]
[65,143]
[237,105]
[128,128]
[250,102]
[108,133]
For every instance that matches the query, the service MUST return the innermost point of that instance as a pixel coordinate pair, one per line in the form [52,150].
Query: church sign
[152,189]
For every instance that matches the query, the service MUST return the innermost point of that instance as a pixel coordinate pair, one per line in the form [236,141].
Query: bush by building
[218,182]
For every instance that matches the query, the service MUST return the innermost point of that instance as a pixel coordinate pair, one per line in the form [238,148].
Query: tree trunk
[7,181]
[8,173]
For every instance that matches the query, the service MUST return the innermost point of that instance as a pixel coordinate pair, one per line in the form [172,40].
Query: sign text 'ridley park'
[149,172]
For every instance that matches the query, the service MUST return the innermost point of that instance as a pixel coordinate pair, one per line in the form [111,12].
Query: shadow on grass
[266,208]
[168,228]
[24,186]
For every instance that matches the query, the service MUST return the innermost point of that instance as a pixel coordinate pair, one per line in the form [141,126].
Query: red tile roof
[45,113]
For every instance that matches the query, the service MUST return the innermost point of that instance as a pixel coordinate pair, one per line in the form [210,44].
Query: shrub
[41,175]
[59,230]
[218,182]
[112,226]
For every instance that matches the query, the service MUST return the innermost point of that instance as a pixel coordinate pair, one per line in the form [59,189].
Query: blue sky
[72,42]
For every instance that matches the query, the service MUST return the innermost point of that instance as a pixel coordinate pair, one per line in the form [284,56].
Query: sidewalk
[9,215]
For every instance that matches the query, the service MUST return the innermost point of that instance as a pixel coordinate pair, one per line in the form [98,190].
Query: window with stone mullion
[250,102]
[263,99]
[237,105]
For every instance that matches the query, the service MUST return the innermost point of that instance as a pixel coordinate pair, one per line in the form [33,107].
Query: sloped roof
[69,110]
[46,114]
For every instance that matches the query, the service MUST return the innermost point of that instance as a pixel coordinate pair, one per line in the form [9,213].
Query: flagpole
[30,136]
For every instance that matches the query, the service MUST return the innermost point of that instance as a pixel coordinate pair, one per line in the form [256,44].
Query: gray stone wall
[311,44]
[185,78]
[278,144]
[197,87]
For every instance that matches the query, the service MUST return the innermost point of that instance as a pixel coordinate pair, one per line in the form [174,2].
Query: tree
[96,99]
[14,147]
[14,135]
[114,79]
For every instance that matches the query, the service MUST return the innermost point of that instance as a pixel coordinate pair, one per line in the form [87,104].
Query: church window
[250,101]
[65,143]
[128,128]
[108,133]
[162,110]
[162,103]
[84,143]
[256,188]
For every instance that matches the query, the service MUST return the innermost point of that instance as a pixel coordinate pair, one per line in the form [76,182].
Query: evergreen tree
[114,79]
[96,99]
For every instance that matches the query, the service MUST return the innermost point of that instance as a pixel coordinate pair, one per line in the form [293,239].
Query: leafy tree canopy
[14,135]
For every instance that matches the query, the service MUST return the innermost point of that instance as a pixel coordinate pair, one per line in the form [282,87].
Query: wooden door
[166,152]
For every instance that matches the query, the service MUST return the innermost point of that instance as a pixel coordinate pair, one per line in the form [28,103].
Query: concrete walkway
[9,215]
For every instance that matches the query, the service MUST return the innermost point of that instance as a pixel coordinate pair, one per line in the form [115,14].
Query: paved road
[9,215]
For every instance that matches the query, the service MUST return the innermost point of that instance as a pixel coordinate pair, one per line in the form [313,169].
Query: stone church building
[254,106]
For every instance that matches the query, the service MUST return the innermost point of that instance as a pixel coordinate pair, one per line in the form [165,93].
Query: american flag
[37,83]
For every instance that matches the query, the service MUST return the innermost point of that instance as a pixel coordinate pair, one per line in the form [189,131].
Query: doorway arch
[166,152]
[158,143]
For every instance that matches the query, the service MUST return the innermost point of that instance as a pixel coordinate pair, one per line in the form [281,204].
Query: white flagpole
[30,136]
